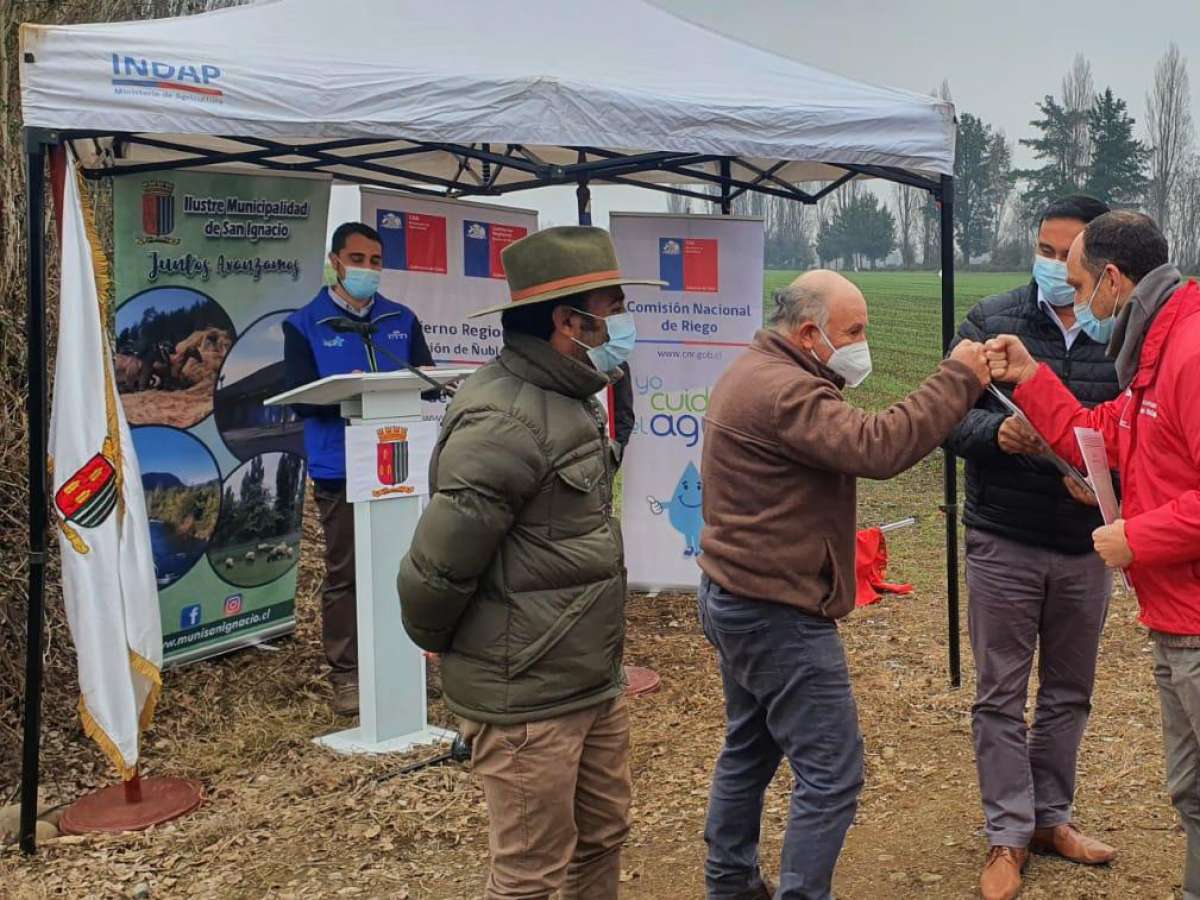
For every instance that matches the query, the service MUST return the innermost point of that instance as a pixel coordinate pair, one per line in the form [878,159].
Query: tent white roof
[394,91]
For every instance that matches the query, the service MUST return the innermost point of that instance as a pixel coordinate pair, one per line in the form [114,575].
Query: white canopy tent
[270,85]
[455,99]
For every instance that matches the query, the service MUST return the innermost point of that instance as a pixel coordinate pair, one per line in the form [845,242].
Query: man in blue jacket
[314,347]
[1035,584]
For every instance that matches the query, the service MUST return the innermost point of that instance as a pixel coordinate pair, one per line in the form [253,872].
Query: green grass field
[905,322]
[244,573]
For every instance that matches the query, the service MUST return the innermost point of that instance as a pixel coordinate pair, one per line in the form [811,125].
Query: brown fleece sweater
[782,452]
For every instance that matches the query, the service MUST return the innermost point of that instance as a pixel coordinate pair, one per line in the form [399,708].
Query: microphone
[343,325]
[366,328]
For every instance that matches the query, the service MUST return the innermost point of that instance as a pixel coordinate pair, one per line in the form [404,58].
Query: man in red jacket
[1126,291]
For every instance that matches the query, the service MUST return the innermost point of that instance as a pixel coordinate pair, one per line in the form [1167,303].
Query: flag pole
[133,789]
[35,361]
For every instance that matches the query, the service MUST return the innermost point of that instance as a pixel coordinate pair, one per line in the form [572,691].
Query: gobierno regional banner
[441,258]
[688,332]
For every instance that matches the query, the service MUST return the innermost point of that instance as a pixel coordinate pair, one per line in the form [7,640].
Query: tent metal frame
[479,168]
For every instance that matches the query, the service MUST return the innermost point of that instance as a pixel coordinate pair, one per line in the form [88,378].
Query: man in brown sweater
[782,451]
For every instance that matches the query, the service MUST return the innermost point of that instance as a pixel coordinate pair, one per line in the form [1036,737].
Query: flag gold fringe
[100,265]
[103,276]
[95,732]
[92,729]
[151,673]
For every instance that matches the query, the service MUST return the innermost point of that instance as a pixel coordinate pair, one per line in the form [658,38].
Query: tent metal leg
[950,466]
[583,201]
[36,410]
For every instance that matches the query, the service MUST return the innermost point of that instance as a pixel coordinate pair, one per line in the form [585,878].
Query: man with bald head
[782,452]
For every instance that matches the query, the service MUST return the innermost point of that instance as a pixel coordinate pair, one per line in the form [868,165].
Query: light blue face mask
[1051,277]
[1099,330]
[622,335]
[361,284]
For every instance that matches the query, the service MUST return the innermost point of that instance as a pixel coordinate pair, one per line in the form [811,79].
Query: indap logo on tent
[135,74]
[688,264]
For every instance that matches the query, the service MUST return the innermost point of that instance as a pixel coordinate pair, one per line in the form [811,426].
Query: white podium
[391,668]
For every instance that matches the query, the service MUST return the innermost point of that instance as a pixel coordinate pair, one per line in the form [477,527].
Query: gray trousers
[1177,671]
[1024,600]
[787,694]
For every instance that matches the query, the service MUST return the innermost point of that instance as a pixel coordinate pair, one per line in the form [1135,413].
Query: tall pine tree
[981,172]
[1117,174]
[1056,147]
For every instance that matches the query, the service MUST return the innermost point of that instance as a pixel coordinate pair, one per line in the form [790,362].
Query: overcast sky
[999,57]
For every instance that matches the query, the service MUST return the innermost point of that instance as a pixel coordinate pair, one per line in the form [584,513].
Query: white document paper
[1095,458]
[385,460]
[1059,463]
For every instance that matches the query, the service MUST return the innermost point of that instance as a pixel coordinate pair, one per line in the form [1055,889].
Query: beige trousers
[558,794]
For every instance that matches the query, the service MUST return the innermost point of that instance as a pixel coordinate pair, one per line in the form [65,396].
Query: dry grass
[285,818]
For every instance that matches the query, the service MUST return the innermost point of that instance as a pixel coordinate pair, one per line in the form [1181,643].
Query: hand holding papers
[1043,447]
[1079,494]
[1110,540]
[1017,438]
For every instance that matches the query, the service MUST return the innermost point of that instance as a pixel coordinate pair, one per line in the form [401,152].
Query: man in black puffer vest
[1032,574]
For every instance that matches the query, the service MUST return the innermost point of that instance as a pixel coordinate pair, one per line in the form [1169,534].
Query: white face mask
[852,362]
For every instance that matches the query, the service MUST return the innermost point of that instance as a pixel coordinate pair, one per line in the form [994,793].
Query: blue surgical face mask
[1099,330]
[1051,277]
[361,284]
[622,335]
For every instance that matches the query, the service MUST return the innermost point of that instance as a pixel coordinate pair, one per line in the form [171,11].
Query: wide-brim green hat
[559,262]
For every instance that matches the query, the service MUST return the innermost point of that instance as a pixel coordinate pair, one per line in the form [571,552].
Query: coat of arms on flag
[158,213]
[87,498]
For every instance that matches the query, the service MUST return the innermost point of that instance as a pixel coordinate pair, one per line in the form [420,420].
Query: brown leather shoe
[1001,878]
[345,698]
[1070,843]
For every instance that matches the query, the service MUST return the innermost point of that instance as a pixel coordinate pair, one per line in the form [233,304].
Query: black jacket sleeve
[300,367]
[975,436]
[419,355]
[623,417]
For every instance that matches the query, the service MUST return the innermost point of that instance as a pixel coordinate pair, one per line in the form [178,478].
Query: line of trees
[1083,140]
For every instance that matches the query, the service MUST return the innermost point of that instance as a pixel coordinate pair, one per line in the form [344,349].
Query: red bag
[870,568]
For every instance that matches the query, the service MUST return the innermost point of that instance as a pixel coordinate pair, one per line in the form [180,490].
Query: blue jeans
[787,693]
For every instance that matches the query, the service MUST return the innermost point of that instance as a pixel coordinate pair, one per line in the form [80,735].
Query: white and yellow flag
[107,566]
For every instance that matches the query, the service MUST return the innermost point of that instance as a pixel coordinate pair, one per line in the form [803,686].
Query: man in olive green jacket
[516,573]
